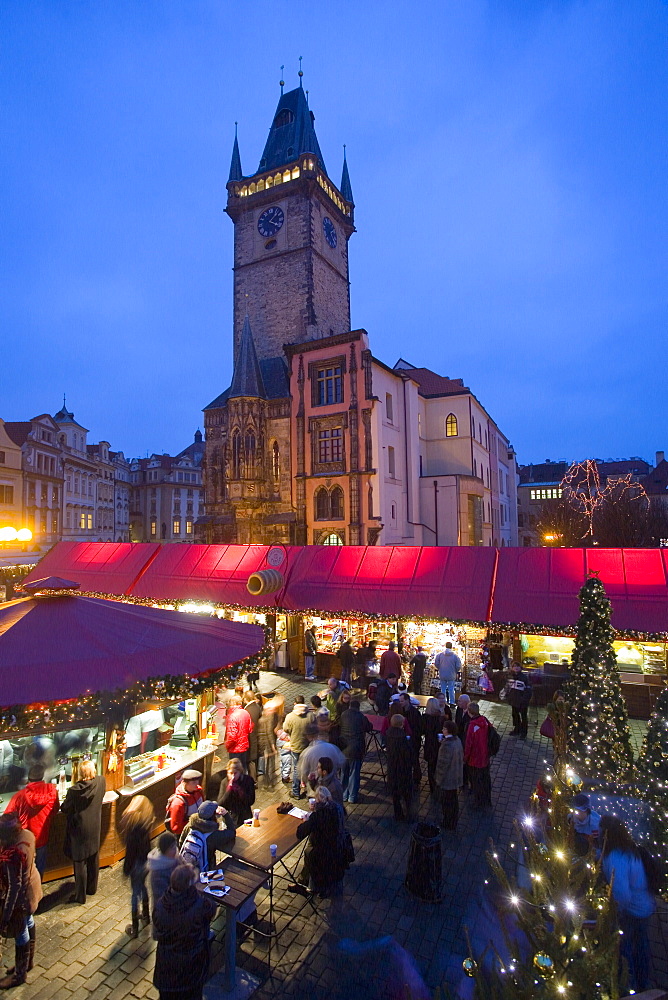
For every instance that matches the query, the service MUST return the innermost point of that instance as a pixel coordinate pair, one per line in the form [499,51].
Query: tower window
[249,453]
[276,461]
[451,426]
[236,456]
[329,385]
[284,117]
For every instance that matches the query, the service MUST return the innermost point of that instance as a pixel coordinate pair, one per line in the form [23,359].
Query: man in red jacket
[476,757]
[36,805]
[390,662]
[239,728]
[185,801]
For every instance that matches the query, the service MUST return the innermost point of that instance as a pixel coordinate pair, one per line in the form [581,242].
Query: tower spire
[300,74]
[346,187]
[235,165]
[247,377]
[282,81]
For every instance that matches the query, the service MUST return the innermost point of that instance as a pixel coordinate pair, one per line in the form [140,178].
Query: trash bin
[423,872]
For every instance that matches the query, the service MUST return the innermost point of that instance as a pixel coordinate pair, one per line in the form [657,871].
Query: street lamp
[551,539]
[9,534]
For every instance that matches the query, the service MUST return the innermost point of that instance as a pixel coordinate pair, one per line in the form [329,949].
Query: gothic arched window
[451,426]
[336,504]
[332,538]
[275,461]
[370,502]
[249,453]
[236,455]
[321,504]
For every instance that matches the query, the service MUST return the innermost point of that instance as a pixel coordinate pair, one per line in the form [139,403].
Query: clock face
[270,221]
[330,232]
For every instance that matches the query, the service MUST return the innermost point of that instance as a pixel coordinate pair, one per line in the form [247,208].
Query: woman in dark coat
[136,825]
[432,728]
[181,927]
[324,858]
[399,768]
[15,911]
[83,808]
[237,792]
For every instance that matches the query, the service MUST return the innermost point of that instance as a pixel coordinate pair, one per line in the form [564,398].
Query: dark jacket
[216,840]
[137,846]
[83,808]
[14,890]
[432,725]
[352,733]
[332,783]
[160,868]
[266,740]
[346,656]
[254,709]
[384,692]
[462,719]
[325,830]
[519,690]
[399,763]
[181,928]
[238,798]
[415,720]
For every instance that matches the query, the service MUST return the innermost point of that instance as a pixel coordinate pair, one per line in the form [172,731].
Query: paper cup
[273,848]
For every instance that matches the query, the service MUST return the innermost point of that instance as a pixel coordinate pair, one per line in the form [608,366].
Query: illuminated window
[276,461]
[336,504]
[154,528]
[330,445]
[82,520]
[189,527]
[244,191]
[330,385]
[451,425]
[286,175]
[89,519]
[333,538]
[6,494]
[277,179]
[176,526]
[260,184]
[269,182]
[295,173]
[251,188]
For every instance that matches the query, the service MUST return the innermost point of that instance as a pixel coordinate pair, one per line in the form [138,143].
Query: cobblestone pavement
[83,952]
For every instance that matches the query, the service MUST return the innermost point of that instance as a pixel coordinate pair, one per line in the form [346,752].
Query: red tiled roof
[432,384]
[18,430]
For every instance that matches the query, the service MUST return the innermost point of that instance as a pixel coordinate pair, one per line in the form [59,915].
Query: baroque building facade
[316,441]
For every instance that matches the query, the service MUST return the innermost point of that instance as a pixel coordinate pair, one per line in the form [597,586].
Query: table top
[243,881]
[252,843]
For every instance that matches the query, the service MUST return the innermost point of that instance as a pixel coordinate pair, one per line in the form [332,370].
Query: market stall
[83,672]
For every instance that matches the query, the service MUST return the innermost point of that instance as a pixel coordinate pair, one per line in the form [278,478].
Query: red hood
[38,794]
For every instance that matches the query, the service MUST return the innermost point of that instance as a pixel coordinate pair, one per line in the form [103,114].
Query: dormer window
[284,117]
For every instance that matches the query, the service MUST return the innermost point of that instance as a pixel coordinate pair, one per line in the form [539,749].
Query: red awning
[208,573]
[100,567]
[389,580]
[540,586]
[56,648]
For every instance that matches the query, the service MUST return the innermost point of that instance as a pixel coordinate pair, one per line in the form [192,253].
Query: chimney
[660,456]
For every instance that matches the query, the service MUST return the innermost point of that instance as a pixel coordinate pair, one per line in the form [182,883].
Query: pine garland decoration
[599,739]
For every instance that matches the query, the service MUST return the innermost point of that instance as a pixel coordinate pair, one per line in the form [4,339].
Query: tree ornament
[544,964]
[469,966]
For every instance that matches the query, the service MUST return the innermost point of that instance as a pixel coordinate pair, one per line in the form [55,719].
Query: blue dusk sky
[508,160]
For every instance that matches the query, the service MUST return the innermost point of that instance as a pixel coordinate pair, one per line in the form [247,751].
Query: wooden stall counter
[157,789]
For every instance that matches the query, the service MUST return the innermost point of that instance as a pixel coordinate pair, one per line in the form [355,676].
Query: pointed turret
[235,165]
[247,378]
[292,132]
[346,187]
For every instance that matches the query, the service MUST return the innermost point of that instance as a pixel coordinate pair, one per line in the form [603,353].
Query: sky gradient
[508,162]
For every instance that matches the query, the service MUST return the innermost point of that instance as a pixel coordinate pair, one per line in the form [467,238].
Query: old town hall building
[316,441]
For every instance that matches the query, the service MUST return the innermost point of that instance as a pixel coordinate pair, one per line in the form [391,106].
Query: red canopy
[55,648]
[100,567]
[540,586]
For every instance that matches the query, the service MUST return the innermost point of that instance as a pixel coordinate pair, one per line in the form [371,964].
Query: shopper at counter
[390,662]
[239,729]
[181,927]
[347,660]
[448,665]
[83,809]
[418,665]
[237,792]
[36,806]
[185,801]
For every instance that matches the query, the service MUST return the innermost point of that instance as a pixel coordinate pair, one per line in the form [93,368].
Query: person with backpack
[477,756]
[632,874]
[518,694]
[186,800]
[201,838]
[136,825]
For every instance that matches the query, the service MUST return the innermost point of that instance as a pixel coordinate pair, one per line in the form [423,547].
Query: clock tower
[291,232]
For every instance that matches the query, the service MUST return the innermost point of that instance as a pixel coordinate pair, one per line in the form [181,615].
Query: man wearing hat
[185,801]
[585,822]
[202,829]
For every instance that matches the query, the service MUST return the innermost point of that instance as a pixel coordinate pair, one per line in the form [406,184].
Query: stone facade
[166,496]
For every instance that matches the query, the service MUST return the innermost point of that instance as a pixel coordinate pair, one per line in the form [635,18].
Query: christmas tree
[652,782]
[599,740]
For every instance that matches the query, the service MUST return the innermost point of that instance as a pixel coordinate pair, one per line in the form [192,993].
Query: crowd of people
[317,749]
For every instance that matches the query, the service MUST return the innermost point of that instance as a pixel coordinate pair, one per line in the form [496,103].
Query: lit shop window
[547,494]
